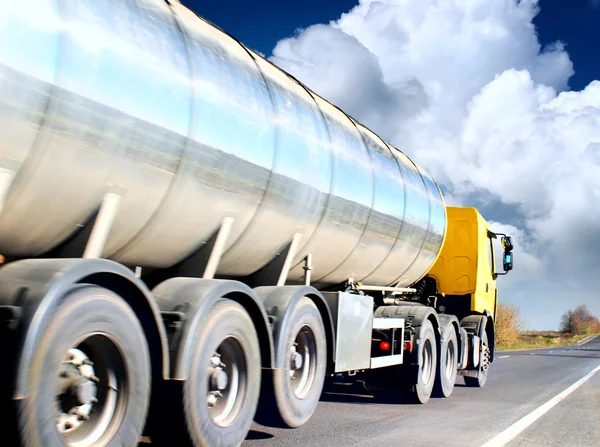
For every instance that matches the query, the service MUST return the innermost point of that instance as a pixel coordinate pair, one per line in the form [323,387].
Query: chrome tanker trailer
[190,234]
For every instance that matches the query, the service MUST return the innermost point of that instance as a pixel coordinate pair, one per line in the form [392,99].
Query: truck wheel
[292,394]
[448,364]
[221,392]
[479,381]
[89,381]
[427,355]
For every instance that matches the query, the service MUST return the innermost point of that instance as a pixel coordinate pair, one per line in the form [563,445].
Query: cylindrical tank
[147,99]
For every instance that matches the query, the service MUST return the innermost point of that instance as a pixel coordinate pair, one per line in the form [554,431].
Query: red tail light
[408,346]
[384,346]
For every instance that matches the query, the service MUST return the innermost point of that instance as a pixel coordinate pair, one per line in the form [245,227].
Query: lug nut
[216,361]
[81,416]
[213,397]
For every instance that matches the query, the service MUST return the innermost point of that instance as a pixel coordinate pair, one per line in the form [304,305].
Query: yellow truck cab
[465,266]
[466,270]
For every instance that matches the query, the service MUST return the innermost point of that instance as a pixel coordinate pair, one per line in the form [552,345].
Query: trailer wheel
[482,373]
[427,355]
[90,377]
[448,364]
[292,393]
[221,392]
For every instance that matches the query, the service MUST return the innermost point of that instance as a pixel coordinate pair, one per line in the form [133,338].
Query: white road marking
[586,341]
[504,357]
[515,429]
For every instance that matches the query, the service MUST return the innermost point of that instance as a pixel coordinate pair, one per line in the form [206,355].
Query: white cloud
[529,267]
[466,89]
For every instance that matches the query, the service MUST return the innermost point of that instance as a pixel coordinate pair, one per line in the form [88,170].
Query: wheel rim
[91,387]
[427,361]
[450,359]
[227,376]
[303,362]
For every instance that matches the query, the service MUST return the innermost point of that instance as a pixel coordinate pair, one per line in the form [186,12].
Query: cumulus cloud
[350,73]
[466,89]
[530,267]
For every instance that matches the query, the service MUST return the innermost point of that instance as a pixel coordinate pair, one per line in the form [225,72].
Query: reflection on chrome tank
[190,126]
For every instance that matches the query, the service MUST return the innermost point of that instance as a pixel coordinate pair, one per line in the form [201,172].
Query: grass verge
[528,340]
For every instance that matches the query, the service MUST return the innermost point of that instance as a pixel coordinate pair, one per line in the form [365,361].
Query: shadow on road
[255,435]
[361,396]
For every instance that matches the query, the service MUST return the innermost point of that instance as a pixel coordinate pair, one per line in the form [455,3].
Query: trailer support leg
[7,176]
[218,248]
[307,269]
[285,270]
[102,225]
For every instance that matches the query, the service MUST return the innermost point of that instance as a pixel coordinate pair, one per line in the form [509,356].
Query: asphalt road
[518,407]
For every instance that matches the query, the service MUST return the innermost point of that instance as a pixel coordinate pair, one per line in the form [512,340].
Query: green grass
[542,340]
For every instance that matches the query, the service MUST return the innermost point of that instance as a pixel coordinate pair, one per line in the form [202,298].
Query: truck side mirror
[508,261]
[507,244]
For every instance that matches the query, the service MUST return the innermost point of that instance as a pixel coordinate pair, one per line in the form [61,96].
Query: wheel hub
[227,367]
[450,361]
[77,391]
[427,362]
[303,361]
[85,392]
[218,380]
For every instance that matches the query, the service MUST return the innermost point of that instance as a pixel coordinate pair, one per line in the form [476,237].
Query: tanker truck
[193,240]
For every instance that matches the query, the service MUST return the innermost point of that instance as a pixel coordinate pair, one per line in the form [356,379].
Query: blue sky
[260,24]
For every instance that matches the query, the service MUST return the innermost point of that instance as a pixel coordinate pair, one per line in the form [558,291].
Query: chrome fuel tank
[145,99]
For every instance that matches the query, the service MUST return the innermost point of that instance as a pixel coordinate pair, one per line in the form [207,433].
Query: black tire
[8,411]
[448,363]
[425,372]
[289,400]
[482,373]
[228,330]
[104,328]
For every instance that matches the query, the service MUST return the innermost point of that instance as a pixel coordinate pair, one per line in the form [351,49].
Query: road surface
[546,397]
